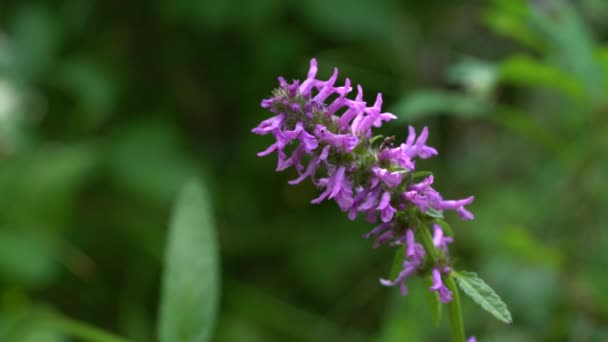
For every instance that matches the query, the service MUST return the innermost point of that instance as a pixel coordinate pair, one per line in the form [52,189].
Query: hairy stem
[456,322]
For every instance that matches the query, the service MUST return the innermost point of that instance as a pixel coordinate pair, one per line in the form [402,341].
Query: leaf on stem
[483,295]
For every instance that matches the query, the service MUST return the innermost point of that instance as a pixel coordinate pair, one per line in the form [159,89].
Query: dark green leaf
[190,288]
[483,295]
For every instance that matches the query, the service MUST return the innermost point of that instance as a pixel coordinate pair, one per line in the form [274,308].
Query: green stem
[456,322]
[79,329]
[455,310]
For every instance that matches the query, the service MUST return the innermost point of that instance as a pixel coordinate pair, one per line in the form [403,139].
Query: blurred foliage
[107,107]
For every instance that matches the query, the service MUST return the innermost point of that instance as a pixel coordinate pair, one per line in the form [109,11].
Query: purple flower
[458,205]
[422,186]
[312,166]
[334,186]
[306,86]
[346,141]
[445,295]
[268,125]
[413,250]
[413,258]
[472,339]
[397,156]
[385,208]
[339,102]
[308,140]
[377,230]
[439,240]
[419,147]
[391,179]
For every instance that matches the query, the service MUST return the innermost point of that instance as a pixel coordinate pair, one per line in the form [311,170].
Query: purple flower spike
[327,137]
[445,295]
[472,339]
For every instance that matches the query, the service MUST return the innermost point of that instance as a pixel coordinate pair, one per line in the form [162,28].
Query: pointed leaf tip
[482,294]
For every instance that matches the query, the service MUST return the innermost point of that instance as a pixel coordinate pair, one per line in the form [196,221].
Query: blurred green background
[106,107]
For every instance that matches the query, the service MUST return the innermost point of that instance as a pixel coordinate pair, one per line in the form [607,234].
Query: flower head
[340,156]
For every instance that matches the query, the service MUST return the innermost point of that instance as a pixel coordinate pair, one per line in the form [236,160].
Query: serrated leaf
[190,288]
[433,301]
[483,295]
[397,265]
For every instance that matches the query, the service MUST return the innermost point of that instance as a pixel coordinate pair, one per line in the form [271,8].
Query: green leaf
[433,301]
[525,70]
[421,174]
[434,213]
[483,295]
[424,103]
[190,288]
[397,265]
[570,41]
[510,18]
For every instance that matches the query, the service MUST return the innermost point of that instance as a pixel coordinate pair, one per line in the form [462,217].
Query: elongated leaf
[434,213]
[483,295]
[511,19]
[421,174]
[190,288]
[527,71]
[433,301]
[425,103]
